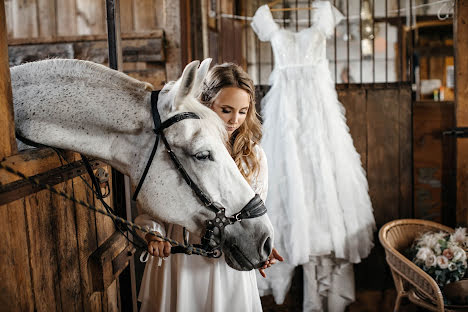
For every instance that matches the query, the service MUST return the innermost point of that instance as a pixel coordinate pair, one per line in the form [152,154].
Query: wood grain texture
[67,245]
[7,124]
[91,17]
[43,251]
[354,102]
[405,133]
[127,22]
[15,282]
[461,98]
[46,17]
[86,238]
[173,44]
[383,153]
[144,15]
[66,17]
[25,18]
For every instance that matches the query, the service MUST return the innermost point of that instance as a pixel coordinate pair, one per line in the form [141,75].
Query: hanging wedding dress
[318,197]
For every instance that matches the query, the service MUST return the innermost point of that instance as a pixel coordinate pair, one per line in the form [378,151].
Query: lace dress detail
[318,198]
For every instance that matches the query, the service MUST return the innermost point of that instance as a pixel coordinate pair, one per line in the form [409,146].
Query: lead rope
[192,249]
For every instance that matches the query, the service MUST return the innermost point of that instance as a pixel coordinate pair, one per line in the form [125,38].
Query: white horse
[89,108]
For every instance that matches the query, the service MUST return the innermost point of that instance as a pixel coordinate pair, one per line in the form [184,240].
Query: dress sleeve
[263,24]
[260,186]
[149,223]
[326,17]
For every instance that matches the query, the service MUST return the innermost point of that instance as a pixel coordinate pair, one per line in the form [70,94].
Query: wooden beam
[156,33]
[7,124]
[461,100]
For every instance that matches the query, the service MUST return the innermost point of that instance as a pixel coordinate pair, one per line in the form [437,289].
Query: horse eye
[205,155]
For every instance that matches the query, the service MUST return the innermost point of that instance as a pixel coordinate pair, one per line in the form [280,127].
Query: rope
[191,248]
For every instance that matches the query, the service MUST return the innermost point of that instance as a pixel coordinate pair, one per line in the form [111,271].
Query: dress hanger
[273,3]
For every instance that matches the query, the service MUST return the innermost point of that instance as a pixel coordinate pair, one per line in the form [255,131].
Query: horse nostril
[267,248]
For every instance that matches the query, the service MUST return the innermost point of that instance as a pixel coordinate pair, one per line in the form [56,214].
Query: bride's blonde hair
[249,134]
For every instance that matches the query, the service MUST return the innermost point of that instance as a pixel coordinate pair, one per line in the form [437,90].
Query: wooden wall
[39,29]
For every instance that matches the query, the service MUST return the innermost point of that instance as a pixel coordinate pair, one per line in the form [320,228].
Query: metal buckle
[236,216]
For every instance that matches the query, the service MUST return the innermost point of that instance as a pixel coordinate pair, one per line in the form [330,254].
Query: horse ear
[201,74]
[186,83]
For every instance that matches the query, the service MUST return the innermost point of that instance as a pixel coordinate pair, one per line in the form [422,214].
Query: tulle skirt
[318,197]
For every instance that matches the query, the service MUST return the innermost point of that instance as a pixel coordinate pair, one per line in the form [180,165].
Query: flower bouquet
[441,255]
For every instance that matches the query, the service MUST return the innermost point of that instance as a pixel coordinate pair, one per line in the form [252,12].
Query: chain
[190,248]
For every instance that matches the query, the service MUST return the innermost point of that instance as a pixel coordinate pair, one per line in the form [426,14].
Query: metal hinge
[461,132]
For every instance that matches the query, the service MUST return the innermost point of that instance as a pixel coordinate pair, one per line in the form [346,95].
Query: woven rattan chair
[410,281]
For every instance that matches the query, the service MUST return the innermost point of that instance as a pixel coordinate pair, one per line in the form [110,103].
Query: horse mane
[34,71]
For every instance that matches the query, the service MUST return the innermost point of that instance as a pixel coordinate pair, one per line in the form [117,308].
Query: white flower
[458,254]
[452,266]
[430,261]
[459,236]
[423,253]
[431,240]
[442,262]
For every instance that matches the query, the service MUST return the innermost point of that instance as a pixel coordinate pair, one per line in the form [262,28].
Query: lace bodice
[306,47]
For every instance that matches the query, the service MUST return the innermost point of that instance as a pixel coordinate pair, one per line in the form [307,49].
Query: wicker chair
[410,281]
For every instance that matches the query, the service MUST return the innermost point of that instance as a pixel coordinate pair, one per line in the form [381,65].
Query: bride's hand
[157,247]
[271,260]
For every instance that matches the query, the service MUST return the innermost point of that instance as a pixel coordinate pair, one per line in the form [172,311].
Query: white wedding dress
[318,197]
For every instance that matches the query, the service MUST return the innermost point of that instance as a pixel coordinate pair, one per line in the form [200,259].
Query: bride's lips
[231,128]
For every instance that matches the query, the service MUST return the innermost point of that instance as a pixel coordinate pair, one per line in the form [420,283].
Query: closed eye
[204,155]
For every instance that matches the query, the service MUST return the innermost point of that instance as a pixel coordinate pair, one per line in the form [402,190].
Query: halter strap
[158,130]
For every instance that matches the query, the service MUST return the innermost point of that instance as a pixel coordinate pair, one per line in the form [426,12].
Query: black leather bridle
[212,241]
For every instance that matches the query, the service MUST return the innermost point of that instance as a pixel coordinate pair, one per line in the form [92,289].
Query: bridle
[212,241]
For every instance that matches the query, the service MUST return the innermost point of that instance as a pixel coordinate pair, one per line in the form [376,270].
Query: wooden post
[461,100]
[7,124]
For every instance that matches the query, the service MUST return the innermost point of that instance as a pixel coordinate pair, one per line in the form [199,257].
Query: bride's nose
[234,119]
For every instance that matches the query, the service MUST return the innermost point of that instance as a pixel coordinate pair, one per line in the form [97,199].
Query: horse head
[200,145]
[89,108]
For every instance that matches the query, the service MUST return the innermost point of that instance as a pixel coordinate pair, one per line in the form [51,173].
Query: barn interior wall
[39,29]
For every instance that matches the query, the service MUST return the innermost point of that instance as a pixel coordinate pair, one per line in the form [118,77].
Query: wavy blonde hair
[249,134]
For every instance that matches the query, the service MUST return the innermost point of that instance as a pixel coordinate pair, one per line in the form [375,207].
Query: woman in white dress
[194,283]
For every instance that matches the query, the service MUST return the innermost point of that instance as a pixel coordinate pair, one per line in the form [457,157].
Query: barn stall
[389,78]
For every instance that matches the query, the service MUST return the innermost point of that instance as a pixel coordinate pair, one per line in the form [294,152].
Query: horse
[102,113]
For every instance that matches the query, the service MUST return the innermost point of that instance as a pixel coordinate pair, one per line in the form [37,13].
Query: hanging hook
[450,5]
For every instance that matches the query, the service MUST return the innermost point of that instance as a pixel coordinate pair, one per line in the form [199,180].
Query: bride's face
[232,105]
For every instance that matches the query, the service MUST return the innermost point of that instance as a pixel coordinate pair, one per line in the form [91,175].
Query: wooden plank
[157,77]
[43,251]
[91,17]
[15,272]
[67,245]
[354,102]
[383,153]
[30,162]
[126,19]
[35,52]
[427,160]
[461,99]
[21,188]
[47,22]
[154,33]
[87,242]
[405,133]
[144,15]
[100,263]
[173,35]
[25,22]
[160,12]
[66,18]
[7,124]
[9,18]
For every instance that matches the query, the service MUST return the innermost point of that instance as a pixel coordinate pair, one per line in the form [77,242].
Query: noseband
[212,241]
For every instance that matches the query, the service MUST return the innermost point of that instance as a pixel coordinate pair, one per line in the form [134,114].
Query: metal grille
[373,43]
